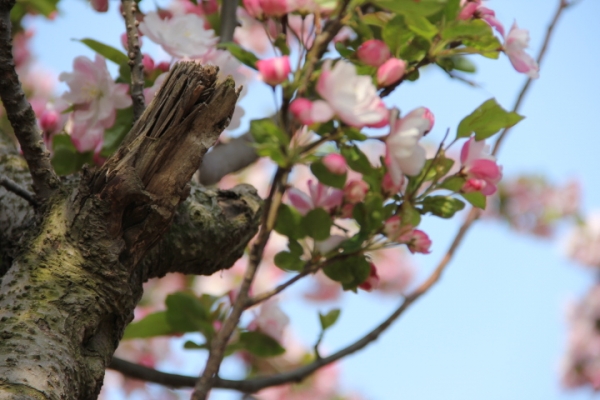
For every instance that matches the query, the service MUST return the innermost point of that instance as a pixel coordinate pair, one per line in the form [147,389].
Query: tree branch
[228,20]
[21,115]
[297,375]
[135,58]
[226,158]
[12,186]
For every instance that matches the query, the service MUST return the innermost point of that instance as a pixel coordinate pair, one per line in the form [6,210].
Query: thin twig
[280,288]
[21,115]
[14,187]
[135,58]
[217,348]
[228,20]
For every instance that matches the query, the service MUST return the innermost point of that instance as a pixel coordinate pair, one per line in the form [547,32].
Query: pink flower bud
[99,5]
[419,242]
[394,230]
[301,108]
[373,52]
[390,72]
[254,8]
[276,8]
[468,11]
[355,191]
[372,281]
[50,121]
[148,63]
[164,66]
[335,163]
[274,70]
[473,185]
[388,187]
[346,211]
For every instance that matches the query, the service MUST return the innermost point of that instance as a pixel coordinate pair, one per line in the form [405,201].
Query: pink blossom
[322,196]
[475,9]
[388,187]
[276,8]
[181,36]
[335,163]
[310,112]
[355,191]
[404,154]
[254,8]
[251,34]
[147,63]
[395,270]
[352,97]
[395,230]
[583,242]
[372,282]
[274,70]
[515,44]
[480,167]
[390,72]
[323,289]
[95,97]
[271,320]
[419,242]
[99,5]
[373,52]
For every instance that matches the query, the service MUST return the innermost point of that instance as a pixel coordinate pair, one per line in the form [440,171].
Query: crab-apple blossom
[352,97]
[254,8]
[99,5]
[270,320]
[373,52]
[322,196]
[479,167]
[475,9]
[335,163]
[394,230]
[390,72]
[95,97]
[404,154]
[308,112]
[181,36]
[388,187]
[372,281]
[515,44]
[418,242]
[274,70]
[355,191]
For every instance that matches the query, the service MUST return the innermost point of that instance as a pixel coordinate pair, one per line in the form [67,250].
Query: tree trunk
[78,272]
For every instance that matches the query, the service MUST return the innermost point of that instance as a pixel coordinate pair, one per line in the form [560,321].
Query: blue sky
[494,328]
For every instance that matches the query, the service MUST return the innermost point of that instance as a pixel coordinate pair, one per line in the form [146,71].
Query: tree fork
[73,286]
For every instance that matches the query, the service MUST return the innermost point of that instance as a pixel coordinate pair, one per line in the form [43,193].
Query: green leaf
[66,159]
[486,120]
[194,346]
[106,51]
[343,50]
[357,160]
[260,345]
[477,199]
[281,44]
[267,131]
[187,313]
[458,30]
[354,134]
[453,183]
[327,177]
[412,7]
[350,272]
[317,224]
[329,319]
[397,35]
[452,10]
[442,206]
[244,56]
[151,325]
[409,214]
[115,135]
[288,261]
[421,26]
[463,64]
[289,222]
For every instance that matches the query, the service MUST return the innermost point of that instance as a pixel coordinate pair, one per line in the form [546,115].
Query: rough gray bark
[77,274]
